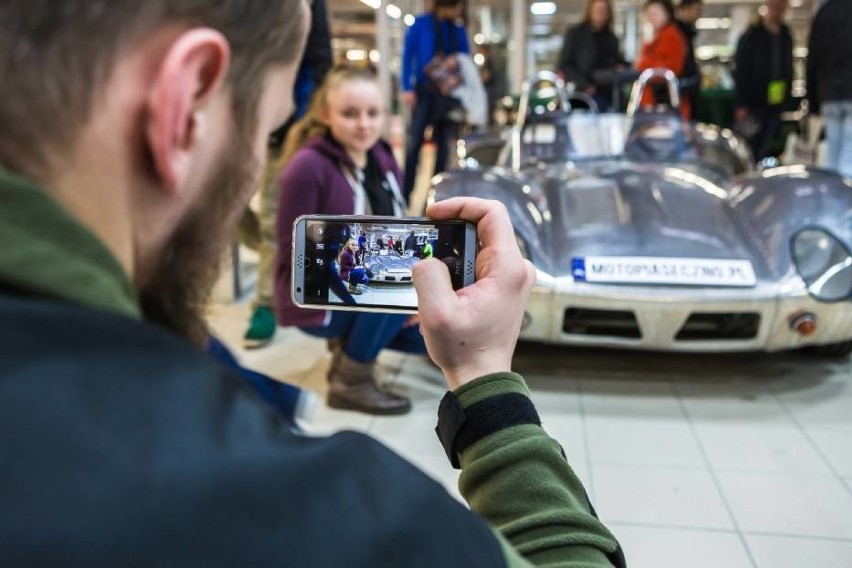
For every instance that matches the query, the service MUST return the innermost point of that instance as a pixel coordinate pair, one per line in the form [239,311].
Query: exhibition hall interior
[461,283]
[707,428]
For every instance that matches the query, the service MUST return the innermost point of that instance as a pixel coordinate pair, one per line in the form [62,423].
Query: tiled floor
[700,461]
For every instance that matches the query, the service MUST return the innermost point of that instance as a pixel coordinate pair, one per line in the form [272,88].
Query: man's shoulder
[126,435]
[35,325]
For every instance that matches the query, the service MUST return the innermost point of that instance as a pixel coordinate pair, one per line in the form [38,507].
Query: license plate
[650,270]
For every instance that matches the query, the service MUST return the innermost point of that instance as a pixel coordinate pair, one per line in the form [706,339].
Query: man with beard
[133,135]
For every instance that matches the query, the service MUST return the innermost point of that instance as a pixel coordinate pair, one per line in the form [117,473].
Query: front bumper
[561,310]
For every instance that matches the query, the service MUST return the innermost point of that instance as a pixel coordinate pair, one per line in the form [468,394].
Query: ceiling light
[356,55]
[375,56]
[543,8]
[479,39]
[394,11]
[713,23]
[409,20]
[374,4]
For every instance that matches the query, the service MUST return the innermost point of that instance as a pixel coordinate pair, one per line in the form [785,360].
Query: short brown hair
[55,54]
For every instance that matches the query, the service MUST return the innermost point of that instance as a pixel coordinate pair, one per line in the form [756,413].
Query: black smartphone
[365,263]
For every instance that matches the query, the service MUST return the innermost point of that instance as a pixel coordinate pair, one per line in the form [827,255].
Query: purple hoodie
[313,183]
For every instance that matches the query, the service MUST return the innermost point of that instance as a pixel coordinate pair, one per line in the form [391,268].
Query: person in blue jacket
[436,33]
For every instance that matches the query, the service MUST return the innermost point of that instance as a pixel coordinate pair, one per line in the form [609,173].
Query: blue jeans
[365,334]
[838,132]
[426,111]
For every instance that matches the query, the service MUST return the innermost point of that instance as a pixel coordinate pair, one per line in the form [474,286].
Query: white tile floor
[700,461]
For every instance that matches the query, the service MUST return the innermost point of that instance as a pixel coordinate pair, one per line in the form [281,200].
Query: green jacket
[517,479]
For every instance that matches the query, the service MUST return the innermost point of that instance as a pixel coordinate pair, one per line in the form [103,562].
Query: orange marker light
[804,324]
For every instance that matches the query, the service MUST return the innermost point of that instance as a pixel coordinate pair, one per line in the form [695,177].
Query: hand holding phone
[472,332]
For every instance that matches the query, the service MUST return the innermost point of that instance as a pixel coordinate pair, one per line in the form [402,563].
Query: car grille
[719,326]
[609,323]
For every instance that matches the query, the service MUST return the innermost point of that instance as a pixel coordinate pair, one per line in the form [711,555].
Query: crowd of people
[591,59]
[763,67]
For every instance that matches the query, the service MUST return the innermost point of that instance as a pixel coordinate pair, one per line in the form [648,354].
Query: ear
[192,70]
[323,114]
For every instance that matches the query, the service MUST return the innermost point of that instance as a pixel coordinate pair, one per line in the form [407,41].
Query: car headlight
[824,263]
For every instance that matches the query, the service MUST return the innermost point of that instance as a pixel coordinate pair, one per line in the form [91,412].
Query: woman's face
[355,114]
[656,16]
[599,14]
[353,246]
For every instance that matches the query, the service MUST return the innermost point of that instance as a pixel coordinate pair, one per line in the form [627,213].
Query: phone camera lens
[299,290]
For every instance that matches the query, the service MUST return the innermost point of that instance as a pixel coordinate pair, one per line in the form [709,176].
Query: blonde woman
[337,164]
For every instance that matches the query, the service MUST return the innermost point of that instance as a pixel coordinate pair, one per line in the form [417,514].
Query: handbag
[444,73]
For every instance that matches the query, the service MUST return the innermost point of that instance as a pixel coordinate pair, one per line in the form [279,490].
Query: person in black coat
[589,49]
[688,13]
[830,79]
[763,77]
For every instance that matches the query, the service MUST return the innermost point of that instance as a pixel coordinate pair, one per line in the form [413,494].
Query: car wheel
[834,350]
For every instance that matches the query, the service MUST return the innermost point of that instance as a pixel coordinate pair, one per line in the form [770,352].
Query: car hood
[638,210]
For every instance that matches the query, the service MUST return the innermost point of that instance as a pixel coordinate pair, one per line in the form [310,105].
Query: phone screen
[369,263]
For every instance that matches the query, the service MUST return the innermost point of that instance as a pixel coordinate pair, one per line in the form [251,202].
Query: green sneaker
[261,328]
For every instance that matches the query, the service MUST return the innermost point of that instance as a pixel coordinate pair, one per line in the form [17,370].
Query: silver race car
[649,232]
[389,268]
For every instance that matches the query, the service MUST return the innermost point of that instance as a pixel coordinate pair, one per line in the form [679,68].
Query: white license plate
[650,270]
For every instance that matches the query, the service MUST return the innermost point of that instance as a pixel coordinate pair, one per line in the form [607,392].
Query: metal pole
[518,59]
[631,33]
[383,44]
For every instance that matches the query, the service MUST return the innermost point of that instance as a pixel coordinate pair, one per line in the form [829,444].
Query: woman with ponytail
[336,164]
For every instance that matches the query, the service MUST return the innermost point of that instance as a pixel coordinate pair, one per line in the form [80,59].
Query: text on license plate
[650,270]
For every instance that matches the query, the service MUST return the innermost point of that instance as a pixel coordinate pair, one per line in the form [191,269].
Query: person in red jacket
[667,48]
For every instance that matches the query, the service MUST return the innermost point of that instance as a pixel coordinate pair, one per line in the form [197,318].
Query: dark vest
[123,445]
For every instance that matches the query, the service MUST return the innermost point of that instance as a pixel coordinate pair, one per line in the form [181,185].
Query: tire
[834,350]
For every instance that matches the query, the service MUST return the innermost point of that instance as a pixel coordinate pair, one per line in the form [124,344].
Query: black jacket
[753,70]
[691,77]
[830,55]
[125,446]
[585,51]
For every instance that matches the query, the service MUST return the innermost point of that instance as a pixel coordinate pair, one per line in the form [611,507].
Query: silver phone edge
[297,278]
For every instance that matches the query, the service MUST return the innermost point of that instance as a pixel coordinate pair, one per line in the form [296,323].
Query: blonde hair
[312,125]
[344,248]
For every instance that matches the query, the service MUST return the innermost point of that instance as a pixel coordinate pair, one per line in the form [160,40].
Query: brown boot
[335,347]
[352,386]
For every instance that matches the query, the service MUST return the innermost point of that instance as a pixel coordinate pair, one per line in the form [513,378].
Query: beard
[177,293]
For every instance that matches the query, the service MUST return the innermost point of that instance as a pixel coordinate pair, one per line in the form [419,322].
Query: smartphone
[365,263]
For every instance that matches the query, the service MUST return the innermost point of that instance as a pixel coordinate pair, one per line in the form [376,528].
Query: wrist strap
[459,428]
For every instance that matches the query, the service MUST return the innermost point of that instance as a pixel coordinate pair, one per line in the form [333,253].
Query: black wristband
[459,428]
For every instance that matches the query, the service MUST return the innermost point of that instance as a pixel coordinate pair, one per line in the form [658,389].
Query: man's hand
[473,332]
[409,98]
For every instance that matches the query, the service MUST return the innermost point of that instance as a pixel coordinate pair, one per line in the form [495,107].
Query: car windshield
[579,136]
[646,137]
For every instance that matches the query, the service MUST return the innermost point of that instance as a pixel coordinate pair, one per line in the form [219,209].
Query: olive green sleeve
[519,481]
